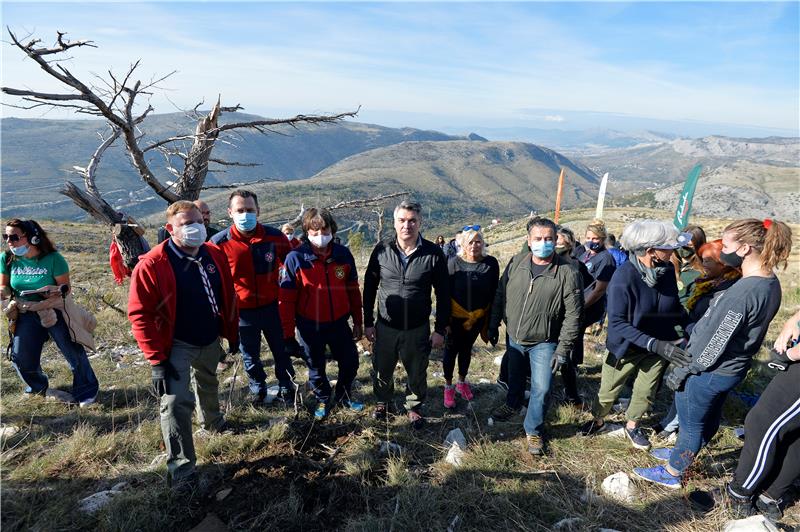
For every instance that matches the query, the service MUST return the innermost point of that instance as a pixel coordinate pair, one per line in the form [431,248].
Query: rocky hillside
[457,181]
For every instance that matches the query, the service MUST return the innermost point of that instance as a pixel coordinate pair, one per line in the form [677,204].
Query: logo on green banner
[684,207]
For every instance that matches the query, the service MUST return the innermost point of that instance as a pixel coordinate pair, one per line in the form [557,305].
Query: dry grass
[288,472]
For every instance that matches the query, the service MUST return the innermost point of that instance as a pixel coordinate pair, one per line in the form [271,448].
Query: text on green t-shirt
[33,273]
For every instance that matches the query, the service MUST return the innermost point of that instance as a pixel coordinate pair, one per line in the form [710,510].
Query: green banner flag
[685,200]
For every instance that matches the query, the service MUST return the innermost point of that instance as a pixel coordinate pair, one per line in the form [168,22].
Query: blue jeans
[26,355]
[540,356]
[337,334]
[700,410]
[252,323]
[671,421]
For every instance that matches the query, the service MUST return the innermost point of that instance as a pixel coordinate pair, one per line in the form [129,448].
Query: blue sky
[544,65]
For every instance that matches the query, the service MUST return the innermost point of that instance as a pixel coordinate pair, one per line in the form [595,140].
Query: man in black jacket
[401,272]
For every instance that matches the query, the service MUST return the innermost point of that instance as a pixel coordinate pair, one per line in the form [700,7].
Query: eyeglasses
[10,238]
[471,228]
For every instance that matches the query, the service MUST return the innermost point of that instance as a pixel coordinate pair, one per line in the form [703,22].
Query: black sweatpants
[459,345]
[770,459]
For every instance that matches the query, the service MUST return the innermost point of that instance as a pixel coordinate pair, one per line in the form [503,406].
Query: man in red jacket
[181,301]
[255,254]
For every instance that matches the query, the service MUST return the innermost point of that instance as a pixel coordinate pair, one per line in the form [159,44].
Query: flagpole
[558,195]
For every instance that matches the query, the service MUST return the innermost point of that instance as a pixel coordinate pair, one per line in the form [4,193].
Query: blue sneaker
[662,453]
[355,406]
[321,412]
[658,475]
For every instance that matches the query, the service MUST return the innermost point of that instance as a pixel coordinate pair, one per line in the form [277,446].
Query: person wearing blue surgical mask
[540,297]
[255,254]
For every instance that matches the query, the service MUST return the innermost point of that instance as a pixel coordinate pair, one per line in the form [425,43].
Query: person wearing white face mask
[319,293]
[255,254]
[181,302]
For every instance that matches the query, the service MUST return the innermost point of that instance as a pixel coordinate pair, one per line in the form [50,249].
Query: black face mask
[685,253]
[655,262]
[731,259]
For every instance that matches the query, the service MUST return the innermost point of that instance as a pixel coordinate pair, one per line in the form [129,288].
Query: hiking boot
[637,438]
[381,413]
[769,508]
[658,475]
[449,396]
[667,436]
[535,445]
[415,419]
[591,428]
[464,390]
[503,413]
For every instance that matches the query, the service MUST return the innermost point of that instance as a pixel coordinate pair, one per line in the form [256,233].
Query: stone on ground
[755,523]
[619,487]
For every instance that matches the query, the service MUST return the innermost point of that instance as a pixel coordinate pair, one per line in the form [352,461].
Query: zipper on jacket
[328,282]
[524,304]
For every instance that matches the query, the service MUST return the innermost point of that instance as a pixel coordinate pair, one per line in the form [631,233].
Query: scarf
[703,286]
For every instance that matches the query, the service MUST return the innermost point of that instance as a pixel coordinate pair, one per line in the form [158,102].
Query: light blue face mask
[20,251]
[245,221]
[543,248]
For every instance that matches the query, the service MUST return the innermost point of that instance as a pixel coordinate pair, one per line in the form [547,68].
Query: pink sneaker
[449,397]
[464,390]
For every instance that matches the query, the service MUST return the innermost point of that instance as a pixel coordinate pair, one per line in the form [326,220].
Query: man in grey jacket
[401,272]
[540,297]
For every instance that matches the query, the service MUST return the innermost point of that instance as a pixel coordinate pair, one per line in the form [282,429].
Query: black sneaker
[257,399]
[285,395]
[381,413]
[503,413]
[740,506]
[415,419]
[769,508]
[637,438]
[591,428]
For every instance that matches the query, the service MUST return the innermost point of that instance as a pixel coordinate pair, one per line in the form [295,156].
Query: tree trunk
[196,168]
[127,238]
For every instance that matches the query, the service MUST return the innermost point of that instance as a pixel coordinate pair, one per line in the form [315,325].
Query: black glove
[494,335]
[676,378]
[779,361]
[557,361]
[161,372]
[293,348]
[672,353]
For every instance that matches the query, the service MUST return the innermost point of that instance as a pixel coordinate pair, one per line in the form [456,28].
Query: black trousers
[770,459]
[459,345]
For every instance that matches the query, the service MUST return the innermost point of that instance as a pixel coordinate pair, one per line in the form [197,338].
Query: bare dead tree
[114,99]
[353,204]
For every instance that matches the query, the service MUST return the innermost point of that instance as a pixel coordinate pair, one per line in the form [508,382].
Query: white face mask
[320,241]
[191,235]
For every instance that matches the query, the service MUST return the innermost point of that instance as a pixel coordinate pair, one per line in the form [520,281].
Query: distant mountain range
[458,177]
[38,155]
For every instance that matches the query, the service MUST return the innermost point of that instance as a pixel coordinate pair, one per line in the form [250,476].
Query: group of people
[676,305]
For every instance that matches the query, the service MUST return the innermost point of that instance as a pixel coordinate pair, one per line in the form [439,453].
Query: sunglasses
[10,238]
[471,228]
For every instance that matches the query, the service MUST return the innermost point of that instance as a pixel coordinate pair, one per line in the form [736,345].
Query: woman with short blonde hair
[473,282]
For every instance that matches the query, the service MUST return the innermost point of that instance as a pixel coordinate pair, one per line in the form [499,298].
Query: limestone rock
[619,487]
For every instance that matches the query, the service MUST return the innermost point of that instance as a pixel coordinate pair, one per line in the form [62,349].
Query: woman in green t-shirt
[32,263]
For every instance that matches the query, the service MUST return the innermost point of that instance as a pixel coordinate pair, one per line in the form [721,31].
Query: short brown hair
[317,219]
[181,206]
[243,193]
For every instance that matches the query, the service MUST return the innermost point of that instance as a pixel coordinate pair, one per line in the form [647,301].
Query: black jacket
[404,293]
